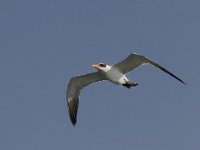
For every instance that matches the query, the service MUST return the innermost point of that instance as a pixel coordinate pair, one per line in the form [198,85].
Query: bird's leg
[128,84]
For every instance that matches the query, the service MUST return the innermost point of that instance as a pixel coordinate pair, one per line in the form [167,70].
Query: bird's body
[115,74]
[112,74]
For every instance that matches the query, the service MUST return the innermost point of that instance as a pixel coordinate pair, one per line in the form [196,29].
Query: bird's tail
[129,84]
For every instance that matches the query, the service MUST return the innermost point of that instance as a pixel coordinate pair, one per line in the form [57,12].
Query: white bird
[115,74]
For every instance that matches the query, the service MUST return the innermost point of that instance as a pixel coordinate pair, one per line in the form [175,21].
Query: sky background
[44,43]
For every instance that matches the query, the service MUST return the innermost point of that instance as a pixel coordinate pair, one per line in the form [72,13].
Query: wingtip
[73,109]
[72,116]
[183,82]
[73,122]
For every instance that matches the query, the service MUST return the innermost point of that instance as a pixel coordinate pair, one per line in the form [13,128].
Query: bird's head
[101,67]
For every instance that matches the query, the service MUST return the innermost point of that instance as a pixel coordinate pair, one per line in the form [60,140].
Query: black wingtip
[72,118]
[183,82]
[73,109]
[73,122]
[166,71]
[177,78]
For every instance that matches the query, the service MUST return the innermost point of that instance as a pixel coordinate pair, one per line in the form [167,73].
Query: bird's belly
[116,78]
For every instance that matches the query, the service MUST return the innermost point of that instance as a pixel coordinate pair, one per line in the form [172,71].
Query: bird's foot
[129,84]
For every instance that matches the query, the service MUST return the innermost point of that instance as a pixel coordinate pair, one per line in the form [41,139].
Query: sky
[45,43]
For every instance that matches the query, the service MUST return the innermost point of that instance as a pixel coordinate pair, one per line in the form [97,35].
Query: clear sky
[43,43]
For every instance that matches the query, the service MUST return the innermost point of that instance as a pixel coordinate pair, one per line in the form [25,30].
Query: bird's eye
[102,65]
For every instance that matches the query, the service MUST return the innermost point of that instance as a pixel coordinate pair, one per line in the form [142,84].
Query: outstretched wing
[74,88]
[134,60]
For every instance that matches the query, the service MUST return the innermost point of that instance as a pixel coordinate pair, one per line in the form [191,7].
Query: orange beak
[95,66]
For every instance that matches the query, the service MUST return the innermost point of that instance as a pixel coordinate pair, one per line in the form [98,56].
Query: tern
[115,74]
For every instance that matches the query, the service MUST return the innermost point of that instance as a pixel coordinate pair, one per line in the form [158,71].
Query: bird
[115,74]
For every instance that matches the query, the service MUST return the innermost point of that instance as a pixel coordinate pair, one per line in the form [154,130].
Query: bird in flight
[115,74]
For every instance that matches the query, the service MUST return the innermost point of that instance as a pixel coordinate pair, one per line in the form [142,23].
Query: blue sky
[45,43]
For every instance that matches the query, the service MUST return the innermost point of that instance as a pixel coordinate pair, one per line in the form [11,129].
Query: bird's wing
[74,88]
[134,60]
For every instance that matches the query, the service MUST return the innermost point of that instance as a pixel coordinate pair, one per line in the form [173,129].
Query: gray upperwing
[134,60]
[130,63]
[74,88]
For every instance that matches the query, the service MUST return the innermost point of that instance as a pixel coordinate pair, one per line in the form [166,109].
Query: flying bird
[115,74]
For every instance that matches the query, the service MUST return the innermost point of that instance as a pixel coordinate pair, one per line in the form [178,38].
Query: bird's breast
[115,76]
